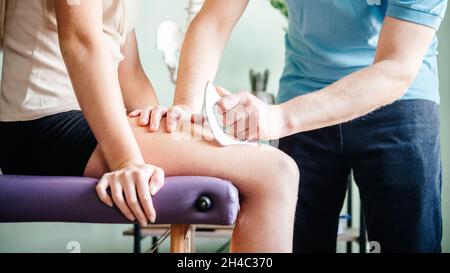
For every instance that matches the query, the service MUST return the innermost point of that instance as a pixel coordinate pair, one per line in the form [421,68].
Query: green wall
[256,43]
[444,63]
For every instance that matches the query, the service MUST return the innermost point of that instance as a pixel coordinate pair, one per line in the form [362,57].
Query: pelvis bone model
[169,38]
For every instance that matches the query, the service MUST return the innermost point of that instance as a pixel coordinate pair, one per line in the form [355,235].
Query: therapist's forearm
[353,96]
[199,62]
[138,92]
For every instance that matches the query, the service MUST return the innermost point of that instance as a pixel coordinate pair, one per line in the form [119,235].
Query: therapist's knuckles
[144,118]
[176,115]
[156,116]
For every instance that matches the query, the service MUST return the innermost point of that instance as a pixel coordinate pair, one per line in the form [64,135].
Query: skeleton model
[169,38]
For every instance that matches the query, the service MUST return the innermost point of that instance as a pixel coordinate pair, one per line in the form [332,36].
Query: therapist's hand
[179,114]
[150,117]
[132,187]
[248,118]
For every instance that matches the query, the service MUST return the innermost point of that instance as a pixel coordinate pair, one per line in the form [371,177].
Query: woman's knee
[279,177]
[288,175]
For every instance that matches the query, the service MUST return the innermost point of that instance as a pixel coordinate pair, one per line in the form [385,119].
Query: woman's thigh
[191,152]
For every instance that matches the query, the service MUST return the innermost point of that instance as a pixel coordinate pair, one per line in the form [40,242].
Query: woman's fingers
[132,188]
[102,193]
[133,202]
[146,200]
[156,115]
[119,200]
[157,181]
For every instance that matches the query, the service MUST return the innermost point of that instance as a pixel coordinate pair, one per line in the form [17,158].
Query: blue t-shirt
[330,39]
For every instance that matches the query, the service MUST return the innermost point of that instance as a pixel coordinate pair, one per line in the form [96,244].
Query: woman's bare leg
[266,178]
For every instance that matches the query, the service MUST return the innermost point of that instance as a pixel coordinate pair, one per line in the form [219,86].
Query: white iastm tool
[209,110]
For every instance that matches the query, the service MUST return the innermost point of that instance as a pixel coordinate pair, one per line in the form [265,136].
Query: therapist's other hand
[150,117]
[179,114]
[248,118]
[132,187]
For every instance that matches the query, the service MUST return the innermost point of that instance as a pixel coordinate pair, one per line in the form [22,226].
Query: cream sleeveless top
[35,82]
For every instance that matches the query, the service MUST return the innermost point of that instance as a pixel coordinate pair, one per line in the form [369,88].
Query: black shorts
[57,145]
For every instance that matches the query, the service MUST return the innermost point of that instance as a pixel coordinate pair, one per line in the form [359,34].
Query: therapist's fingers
[172,119]
[157,114]
[198,119]
[239,130]
[235,115]
[242,135]
[101,188]
[252,123]
[246,128]
[144,119]
[252,135]
[222,91]
[135,114]
[174,116]
[231,101]
[245,135]
[228,102]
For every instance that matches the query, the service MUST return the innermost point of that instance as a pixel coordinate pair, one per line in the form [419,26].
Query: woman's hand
[150,116]
[132,188]
[248,118]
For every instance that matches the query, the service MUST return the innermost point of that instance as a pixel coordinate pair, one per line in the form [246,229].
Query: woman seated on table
[71,74]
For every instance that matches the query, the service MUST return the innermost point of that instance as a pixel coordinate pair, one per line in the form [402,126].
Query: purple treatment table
[184,201]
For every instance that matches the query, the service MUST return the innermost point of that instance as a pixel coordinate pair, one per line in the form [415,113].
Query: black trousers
[395,157]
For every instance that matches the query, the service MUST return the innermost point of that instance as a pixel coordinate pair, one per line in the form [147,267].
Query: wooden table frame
[182,237]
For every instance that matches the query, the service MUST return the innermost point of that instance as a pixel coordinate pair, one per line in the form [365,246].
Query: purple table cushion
[183,200]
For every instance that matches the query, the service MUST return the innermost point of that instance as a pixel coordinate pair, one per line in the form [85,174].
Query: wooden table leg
[181,239]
